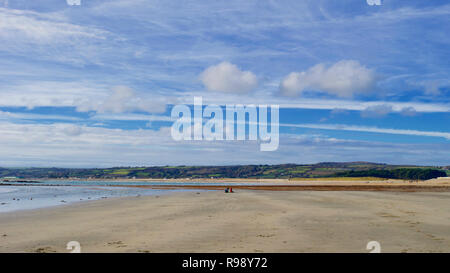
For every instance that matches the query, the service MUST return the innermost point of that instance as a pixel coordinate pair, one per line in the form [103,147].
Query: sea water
[13,198]
[68,182]
[46,193]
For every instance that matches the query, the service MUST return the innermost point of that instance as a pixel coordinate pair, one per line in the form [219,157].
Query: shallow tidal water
[13,198]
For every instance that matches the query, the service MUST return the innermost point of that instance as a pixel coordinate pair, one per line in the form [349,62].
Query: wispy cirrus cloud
[85,96]
[312,103]
[336,127]
[42,28]
[123,99]
[28,116]
[368,129]
[49,36]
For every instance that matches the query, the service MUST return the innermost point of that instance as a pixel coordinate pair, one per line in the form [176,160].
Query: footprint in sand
[388,215]
[46,249]
[265,235]
[409,212]
[117,244]
[412,224]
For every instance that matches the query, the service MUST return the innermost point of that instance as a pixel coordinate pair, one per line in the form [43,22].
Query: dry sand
[245,221]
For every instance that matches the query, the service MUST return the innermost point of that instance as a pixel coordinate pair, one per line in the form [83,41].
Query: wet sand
[387,188]
[333,184]
[244,221]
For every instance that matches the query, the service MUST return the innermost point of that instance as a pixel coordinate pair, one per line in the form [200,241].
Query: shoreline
[360,184]
[17,198]
[386,188]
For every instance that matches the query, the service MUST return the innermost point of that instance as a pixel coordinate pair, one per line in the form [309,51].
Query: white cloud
[51,93]
[432,84]
[369,129]
[310,103]
[377,111]
[339,111]
[123,99]
[85,96]
[381,110]
[131,117]
[435,87]
[71,135]
[408,111]
[72,130]
[227,77]
[41,28]
[52,36]
[28,116]
[343,79]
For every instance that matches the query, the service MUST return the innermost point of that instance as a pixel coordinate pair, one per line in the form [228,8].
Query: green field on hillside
[290,171]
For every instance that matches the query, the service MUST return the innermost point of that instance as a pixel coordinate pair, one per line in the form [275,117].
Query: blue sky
[93,85]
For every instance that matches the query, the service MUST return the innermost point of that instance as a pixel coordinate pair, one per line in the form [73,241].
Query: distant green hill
[324,169]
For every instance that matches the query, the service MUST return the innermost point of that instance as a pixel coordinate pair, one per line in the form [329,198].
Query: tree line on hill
[401,173]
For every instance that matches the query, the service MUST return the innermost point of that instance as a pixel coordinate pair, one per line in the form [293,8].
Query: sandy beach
[245,221]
